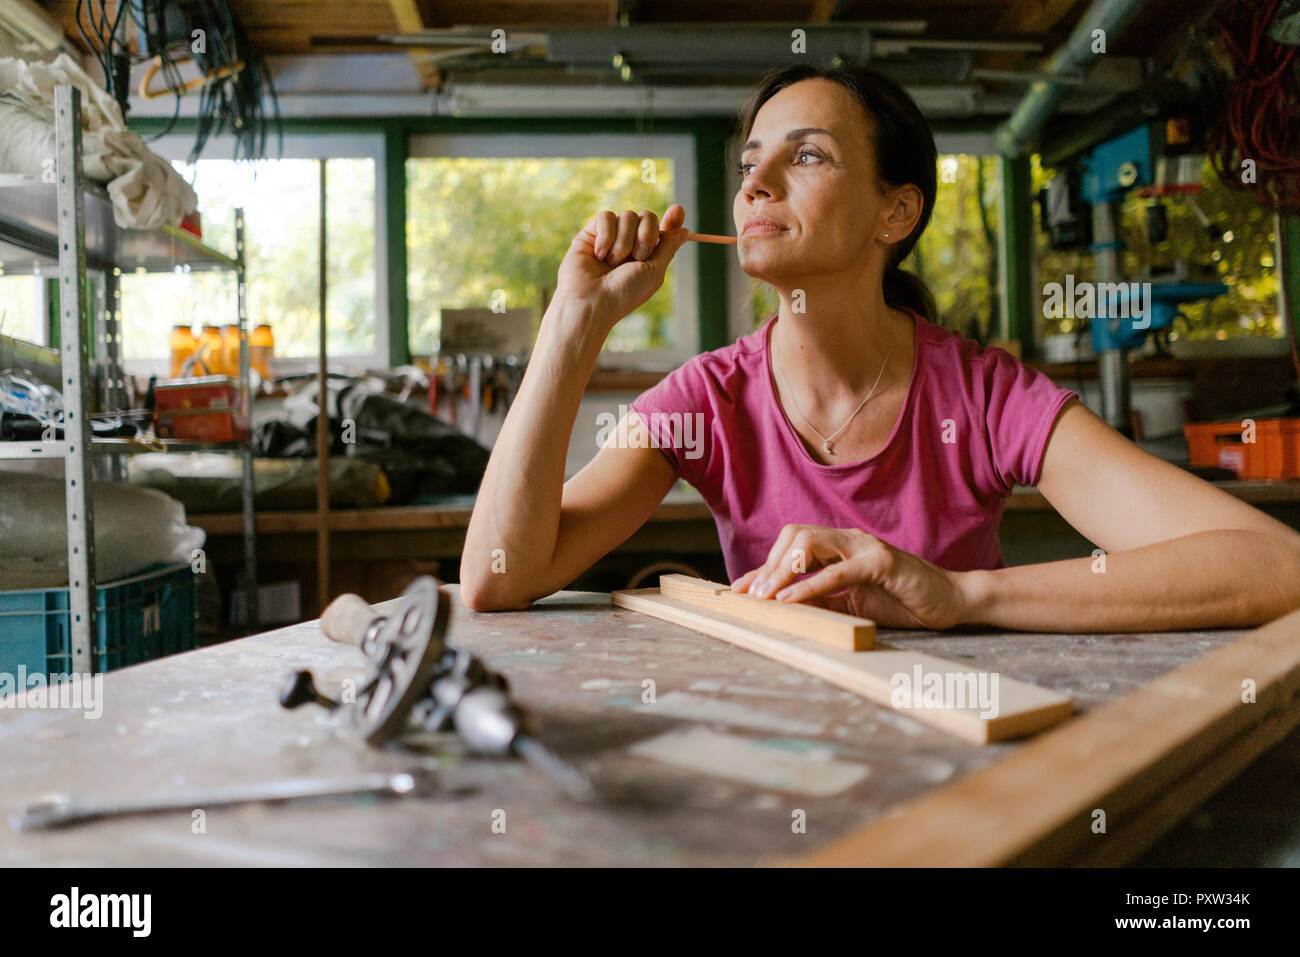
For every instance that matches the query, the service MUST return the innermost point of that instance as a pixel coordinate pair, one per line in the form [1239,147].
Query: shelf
[398,518]
[38,221]
[1251,491]
[138,446]
[57,449]
[29,227]
[682,504]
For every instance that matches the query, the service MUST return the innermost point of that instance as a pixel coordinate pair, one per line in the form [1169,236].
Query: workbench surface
[211,718]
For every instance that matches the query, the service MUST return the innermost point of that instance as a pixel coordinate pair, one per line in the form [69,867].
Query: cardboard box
[202,409]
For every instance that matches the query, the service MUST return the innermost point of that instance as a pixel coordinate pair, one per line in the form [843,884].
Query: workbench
[802,748]
[377,551]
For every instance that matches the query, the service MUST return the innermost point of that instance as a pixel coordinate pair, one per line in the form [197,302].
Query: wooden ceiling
[352,26]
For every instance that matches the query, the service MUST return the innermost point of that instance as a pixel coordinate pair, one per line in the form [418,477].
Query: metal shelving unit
[72,225]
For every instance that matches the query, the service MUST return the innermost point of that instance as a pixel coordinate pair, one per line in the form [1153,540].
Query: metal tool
[300,688]
[62,810]
[420,612]
[416,678]
[404,648]
[476,702]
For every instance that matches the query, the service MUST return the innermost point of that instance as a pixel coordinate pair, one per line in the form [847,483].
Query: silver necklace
[827,443]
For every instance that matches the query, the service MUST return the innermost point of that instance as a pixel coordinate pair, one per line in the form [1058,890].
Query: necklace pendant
[826,445]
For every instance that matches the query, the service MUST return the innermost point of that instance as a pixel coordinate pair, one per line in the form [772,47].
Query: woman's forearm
[514,526]
[1227,578]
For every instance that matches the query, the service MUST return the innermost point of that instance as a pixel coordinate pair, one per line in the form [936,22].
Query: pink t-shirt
[974,422]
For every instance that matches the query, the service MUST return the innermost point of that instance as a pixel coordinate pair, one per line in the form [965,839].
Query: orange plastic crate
[1275,453]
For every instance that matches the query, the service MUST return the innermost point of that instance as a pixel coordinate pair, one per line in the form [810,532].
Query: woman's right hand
[617,262]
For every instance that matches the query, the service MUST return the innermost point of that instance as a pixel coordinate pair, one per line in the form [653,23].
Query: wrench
[61,810]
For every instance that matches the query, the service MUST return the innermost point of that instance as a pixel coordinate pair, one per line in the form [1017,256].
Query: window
[490,217]
[22,307]
[957,253]
[280,200]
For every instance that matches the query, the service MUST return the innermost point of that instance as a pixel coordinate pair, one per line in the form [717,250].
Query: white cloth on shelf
[135,528]
[145,190]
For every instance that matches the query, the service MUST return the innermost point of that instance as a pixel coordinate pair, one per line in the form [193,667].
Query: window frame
[679,147]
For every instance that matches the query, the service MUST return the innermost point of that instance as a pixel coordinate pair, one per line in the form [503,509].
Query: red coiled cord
[1259,113]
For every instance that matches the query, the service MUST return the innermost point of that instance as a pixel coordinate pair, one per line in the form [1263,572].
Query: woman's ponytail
[905,290]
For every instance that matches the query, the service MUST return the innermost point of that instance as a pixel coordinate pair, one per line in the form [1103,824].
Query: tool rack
[71,224]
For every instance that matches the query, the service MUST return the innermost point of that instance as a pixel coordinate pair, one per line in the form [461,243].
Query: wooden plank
[807,621]
[1018,708]
[1146,761]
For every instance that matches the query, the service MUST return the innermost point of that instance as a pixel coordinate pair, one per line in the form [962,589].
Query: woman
[856,454]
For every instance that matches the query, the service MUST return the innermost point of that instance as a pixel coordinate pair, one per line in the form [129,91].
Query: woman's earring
[886,235]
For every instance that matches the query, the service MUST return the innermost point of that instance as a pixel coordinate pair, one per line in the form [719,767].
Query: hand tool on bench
[300,688]
[405,648]
[351,621]
[61,810]
[418,678]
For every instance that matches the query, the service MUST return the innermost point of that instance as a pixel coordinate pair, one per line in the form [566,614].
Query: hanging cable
[1251,84]
[236,84]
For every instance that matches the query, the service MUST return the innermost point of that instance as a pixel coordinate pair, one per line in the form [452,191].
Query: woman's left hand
[878,581]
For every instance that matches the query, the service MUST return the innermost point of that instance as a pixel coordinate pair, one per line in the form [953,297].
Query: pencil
[706,238]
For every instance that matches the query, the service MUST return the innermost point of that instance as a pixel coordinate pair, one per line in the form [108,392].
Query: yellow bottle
[261,349]
[210,361]
[230,350]
[183,346]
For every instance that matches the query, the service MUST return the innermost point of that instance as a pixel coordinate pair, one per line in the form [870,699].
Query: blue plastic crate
[138,619]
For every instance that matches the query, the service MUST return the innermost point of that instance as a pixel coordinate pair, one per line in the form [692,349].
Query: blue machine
[1142,157]
[1112,168]
[1141,311]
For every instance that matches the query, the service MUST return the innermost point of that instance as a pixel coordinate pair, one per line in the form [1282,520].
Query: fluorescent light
[493,99]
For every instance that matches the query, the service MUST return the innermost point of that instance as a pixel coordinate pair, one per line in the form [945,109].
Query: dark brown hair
[904,148]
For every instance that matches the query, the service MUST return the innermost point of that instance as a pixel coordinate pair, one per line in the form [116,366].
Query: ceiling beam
[823,11]
[1035,16]
[409,20]
[624,13]
[1029,16]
